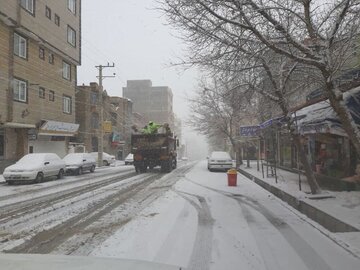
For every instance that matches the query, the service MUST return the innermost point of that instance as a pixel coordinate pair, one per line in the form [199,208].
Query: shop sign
[249,131]
[107,126]
[54,128]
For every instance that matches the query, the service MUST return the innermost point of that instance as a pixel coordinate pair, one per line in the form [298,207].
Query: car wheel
[39,178]
[106,163]
[79,171]
[92,169]
[60,175]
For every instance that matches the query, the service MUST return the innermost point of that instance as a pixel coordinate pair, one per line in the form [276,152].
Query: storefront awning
[54,128]
[321,117]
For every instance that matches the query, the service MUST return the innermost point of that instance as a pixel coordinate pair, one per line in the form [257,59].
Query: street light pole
[101,132]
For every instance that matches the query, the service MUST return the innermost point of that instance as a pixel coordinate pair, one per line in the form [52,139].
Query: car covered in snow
[219,160]
[107,159]
[129,160]
[35,167]
[77,163]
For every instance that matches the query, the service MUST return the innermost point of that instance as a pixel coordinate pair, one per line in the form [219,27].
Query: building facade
[155,103]
[39,53]
[116,110]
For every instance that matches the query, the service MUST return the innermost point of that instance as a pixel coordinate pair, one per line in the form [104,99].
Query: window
[72,6]
[67,104]
[20,46]
[94,120]
[94,98]
[48,12]
[57,20]
[42,53]
[66,71]
[71,36]
[51,95]
[20,90]
[51,58]
[113,119]
[28,5]
[41,92]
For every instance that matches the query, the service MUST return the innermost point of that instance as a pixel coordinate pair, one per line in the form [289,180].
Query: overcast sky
[133,35]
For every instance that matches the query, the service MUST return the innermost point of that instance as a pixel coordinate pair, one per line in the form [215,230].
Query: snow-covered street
[188,218]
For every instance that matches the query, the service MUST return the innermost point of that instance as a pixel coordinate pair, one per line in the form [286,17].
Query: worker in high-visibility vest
[151,128]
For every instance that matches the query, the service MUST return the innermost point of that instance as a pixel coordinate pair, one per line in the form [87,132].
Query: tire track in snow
[201,255]
[306,253]
[47,240]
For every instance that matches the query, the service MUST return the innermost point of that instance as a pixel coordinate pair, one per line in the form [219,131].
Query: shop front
[52,137]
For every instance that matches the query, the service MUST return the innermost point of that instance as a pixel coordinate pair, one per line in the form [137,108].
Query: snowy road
[189,218]
[201,223]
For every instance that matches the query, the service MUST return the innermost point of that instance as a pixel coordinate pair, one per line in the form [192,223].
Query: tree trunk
[314,187]
[346,119]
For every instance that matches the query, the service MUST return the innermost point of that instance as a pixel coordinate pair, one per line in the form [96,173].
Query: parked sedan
[77,163]
[219,161]
[129,160]
[35,167]
[107,159]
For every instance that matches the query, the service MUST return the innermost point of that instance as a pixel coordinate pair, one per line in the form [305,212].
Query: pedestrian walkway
[343,206]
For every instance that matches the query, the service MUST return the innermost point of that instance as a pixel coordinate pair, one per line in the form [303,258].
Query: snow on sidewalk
[343,205]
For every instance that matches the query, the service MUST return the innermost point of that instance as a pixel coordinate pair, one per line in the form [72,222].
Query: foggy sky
[133,35]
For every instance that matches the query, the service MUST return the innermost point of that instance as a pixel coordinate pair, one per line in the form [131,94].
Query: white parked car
[219,161]
[77,163]
[35,167]
[129,160]
[107,159]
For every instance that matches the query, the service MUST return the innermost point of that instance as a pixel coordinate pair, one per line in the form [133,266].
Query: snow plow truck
[151,150]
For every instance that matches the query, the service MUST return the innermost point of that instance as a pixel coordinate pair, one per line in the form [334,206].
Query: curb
[324,219]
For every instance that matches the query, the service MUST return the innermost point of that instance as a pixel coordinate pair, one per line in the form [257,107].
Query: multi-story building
[116,110]
[39,54]
[155,103]
[119,113]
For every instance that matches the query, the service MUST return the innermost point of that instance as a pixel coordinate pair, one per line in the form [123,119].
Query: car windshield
[229,133]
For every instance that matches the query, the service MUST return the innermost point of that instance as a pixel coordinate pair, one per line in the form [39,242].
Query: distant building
[155,103]
[39,51]
[116,110]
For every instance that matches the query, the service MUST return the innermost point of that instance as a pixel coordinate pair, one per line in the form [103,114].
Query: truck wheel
[174,164]
[143,169]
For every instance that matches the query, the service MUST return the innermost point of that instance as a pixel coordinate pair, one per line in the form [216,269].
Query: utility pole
[101,132]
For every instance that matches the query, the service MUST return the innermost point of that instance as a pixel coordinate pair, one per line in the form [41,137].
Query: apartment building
[40,43]
[155,103]
[116,110]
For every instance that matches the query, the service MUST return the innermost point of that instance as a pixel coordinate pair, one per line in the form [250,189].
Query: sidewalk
[343,206]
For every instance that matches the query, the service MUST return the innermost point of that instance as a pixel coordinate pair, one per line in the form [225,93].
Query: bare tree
[216,110]
[317,34]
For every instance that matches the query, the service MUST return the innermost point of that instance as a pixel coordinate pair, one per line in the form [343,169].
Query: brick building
[116,110]
[39,54]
